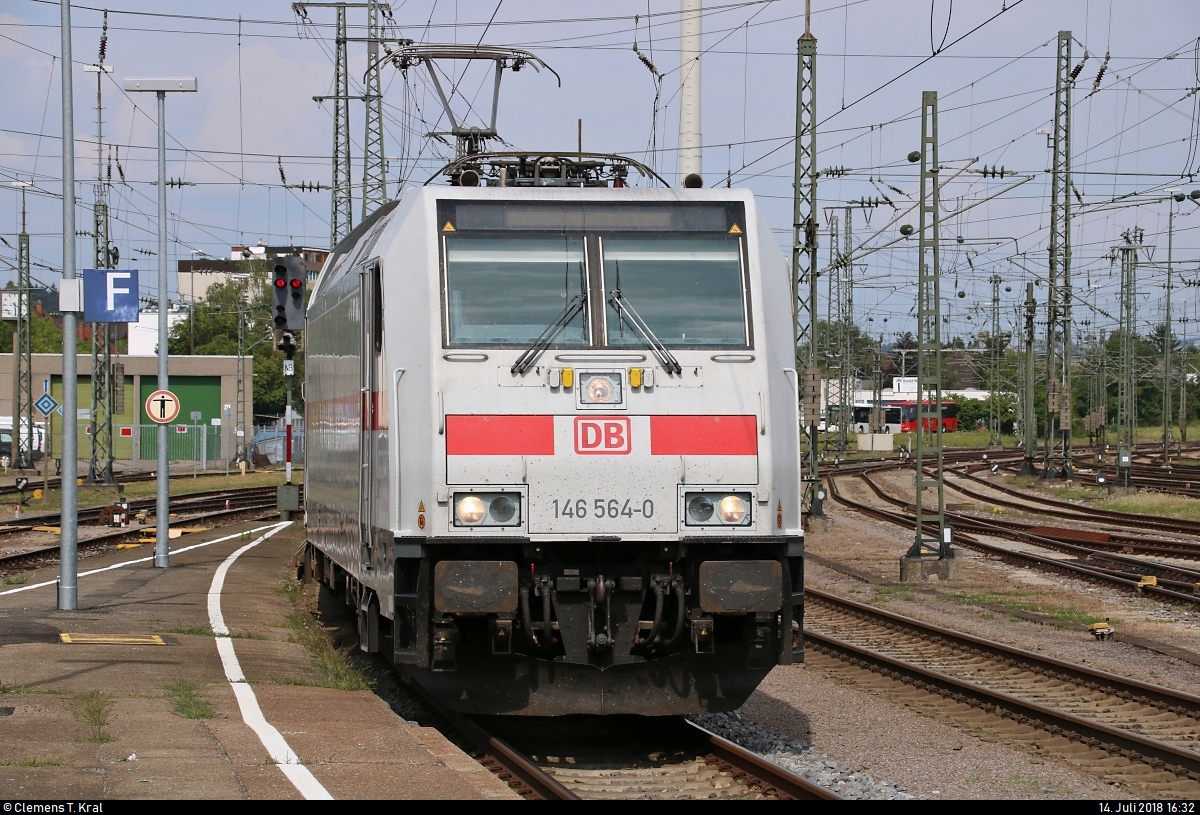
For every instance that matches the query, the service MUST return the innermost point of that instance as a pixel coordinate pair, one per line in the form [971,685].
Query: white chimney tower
[689,94]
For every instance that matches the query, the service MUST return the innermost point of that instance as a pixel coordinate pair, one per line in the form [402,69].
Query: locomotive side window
[689,291]
[505,290]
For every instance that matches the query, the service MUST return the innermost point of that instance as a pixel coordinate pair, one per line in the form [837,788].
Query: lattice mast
[1127,377]
[995,352]
[842,271]
[829,338]
[804,252]
[341,197]
[927,445]
[374,164]
[845,304]
[23,414]
[100,459]
[1059,402]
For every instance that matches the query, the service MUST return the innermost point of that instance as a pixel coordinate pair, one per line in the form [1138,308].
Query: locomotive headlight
[502,509]
[717,509]
[732,509]
[485,509]
[600,388]
[699,508]
[470,509]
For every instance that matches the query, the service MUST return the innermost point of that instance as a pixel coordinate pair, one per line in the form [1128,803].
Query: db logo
[602,436]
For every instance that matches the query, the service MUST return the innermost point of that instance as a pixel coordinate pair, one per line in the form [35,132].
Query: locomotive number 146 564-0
[603,508]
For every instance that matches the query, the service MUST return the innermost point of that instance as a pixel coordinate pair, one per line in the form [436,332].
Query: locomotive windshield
[538,274]
[506,290]
[688,290]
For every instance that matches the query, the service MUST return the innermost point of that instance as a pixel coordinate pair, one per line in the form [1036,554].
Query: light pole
[68,574]
[161,86]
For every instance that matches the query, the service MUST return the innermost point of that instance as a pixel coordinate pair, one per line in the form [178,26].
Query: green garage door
[196,393]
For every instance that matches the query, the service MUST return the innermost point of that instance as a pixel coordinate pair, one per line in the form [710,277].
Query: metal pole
[288,433]
[162,521]
[68,576]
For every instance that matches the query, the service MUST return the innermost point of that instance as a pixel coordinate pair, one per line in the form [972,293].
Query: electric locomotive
[553,440]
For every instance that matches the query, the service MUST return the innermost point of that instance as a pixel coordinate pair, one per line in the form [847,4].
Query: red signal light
[297,283]
[280,283]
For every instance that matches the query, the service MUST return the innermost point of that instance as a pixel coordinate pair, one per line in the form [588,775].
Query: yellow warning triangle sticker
[779,506]
[735,230]
[449,227]
[421,507]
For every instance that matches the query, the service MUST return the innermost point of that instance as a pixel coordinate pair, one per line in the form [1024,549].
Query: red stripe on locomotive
[500,435]
[703,436]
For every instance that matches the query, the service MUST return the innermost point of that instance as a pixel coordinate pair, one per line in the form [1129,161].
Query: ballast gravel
[801,758]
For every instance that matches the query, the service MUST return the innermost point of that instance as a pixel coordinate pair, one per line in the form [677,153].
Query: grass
[18,689]
[1154,503]
[288,588]
[94,708]
[333,662]
[15,580]
[885,593]
[192,630]
[1038,602]
[187,701]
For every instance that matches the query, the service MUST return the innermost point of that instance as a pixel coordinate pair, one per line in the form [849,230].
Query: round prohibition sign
[162,407]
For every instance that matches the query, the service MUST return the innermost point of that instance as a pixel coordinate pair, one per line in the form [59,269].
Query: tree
[212,330]
[45,337]
[1157,342]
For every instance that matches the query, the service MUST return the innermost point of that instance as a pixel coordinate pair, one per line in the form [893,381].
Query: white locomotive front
[552,446]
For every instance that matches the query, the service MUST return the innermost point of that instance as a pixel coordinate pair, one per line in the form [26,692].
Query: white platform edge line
[277,747]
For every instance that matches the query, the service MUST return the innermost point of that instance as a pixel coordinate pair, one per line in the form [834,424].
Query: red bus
[908,416]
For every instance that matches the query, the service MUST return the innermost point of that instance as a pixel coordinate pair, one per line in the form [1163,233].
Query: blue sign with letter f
[110,295]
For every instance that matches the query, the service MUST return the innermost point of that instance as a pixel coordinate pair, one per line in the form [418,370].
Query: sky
[253,123]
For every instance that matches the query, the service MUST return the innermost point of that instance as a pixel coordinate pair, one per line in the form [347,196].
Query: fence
[205,446]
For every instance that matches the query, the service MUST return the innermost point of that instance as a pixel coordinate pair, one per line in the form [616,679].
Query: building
[143,335]
[196,276]
[207,391]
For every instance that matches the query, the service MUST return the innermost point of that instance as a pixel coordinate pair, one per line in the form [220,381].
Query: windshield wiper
[575,305]
[622,305]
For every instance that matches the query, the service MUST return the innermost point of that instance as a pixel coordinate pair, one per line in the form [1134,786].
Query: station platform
[214,625]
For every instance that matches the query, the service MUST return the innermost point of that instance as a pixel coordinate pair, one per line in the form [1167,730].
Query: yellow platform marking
[112,639]
[171,533]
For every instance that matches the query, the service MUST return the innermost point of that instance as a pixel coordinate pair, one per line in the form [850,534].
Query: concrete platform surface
[88,720]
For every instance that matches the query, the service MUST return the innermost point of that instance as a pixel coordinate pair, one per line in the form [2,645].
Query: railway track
[630,758]
[1125,730]
[1177,585]
[220,506]
[183,504]
[55,482]
[1063,509]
